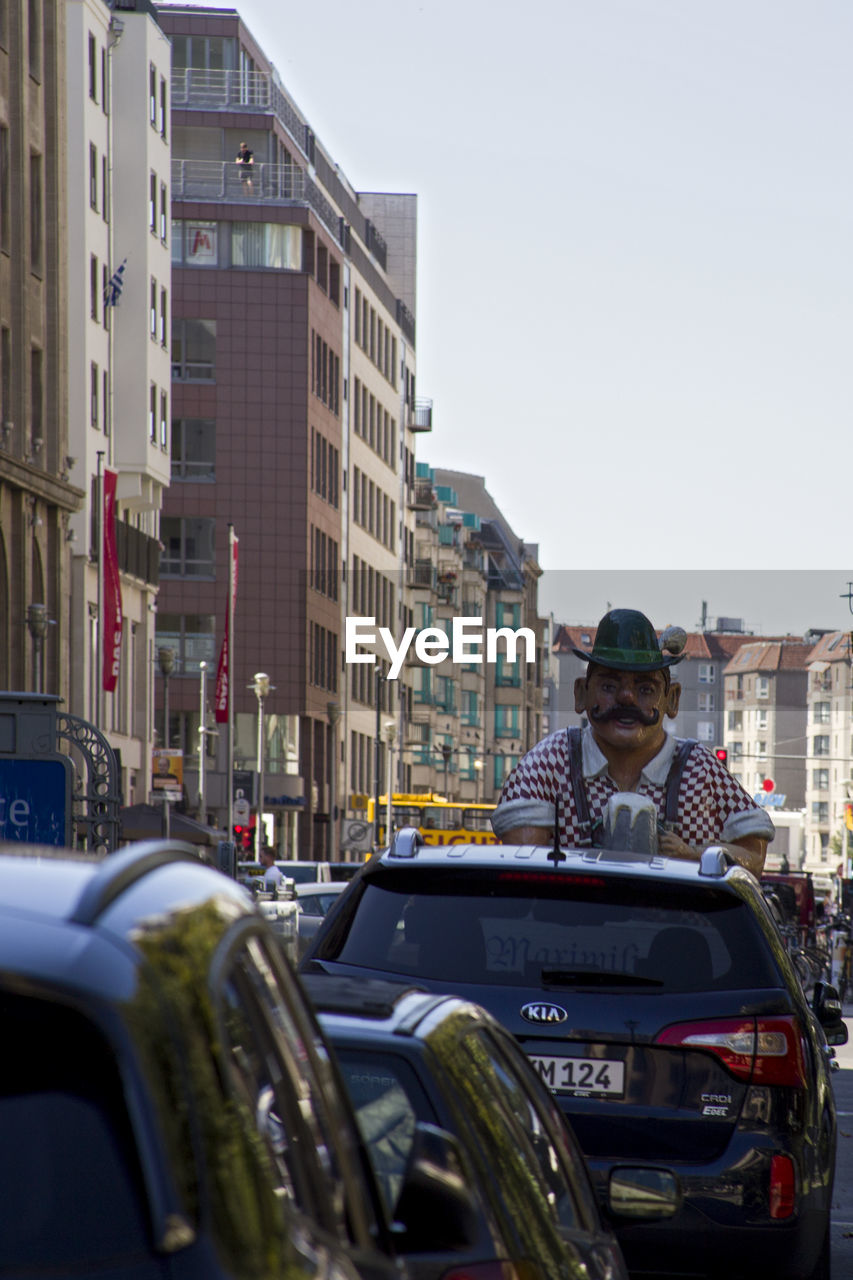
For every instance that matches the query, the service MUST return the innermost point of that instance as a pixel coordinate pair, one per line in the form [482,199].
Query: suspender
[589,831]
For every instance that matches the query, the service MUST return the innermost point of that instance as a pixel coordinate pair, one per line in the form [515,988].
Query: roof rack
[405,843]
[118,871]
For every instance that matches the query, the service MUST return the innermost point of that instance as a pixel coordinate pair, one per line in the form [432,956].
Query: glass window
[194,350]
[762,687]
[190,546]
[707,673]
[506,720]
[255,244]
[193,449]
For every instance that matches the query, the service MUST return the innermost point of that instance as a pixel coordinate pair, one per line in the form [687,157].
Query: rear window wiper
[595,978]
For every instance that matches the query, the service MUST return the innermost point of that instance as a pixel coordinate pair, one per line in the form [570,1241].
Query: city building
[117,143]
[293,421]
[829,755]
[37,496]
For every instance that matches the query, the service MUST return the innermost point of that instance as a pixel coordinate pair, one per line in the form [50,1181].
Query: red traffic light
[768,785]
[722,754]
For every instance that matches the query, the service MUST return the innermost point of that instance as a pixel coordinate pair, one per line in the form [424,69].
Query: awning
[145,822]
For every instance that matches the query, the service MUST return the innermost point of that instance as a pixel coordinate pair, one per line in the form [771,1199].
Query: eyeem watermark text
[469,641]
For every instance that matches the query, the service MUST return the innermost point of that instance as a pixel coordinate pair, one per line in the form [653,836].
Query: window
[707,673]
[195,243]
[164,211]
[193,449]
[106,408]
[94,384]
[105,190]
[104,85]
[820,811]
[164,420]
[152,201]
[36,396]
[152,309]
[93,68]
[762,686]
[822,712]
[94,286]
[35,213]
[152,95]
[820,745]
[164,317]
[706,731]
[266,244]
[191,635]
[820,779]
[706,702]
[105,283]
[164,92]
[761,718]
[506,721]
[93,176]
[152,413]
[194,350]
[190,546]
[5,222]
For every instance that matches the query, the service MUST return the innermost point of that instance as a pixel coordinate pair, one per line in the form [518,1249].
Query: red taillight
[758,1050]
[495,1271]
[783,1187]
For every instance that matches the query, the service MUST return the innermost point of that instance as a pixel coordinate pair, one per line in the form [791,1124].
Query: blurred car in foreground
[407,1056]
[169,1107]
[657,1000]
[315,900]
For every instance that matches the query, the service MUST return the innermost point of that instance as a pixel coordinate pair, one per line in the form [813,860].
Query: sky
[634,261]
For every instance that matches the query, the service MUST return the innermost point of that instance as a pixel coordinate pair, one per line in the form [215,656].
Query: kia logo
[544,1013]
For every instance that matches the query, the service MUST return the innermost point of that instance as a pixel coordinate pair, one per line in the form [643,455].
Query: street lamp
[202,745]
[166,661]
[479,766]
[333,711]
[37,624]
[262,687]
[389,733]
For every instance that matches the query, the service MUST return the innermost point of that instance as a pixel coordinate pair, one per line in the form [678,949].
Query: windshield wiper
[595,978]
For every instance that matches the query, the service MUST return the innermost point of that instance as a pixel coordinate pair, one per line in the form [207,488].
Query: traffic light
[243,837]
[722,755]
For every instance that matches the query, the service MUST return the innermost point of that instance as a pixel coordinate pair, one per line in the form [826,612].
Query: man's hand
[672,846]
[748,852]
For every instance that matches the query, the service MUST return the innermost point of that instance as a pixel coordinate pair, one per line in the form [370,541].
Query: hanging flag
[113,617]
[112,293]
[223,671]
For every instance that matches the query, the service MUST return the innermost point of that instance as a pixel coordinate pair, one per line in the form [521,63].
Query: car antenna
[556,855]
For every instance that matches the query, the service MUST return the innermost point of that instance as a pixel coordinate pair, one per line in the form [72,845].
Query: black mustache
[624,713]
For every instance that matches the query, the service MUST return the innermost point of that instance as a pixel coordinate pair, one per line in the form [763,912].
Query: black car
[657,1000]
[169,1108]
[407,1056]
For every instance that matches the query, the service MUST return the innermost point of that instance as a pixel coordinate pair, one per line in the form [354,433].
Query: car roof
[407,849]
[313,888]
[382,1006]
[62,914]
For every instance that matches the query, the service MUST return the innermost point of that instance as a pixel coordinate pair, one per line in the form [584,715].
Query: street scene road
[842,1206]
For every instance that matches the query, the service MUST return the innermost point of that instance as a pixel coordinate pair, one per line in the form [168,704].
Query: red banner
[113,617]
[223,671]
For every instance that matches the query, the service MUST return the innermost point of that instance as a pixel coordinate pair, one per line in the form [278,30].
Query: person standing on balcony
[626,695]
[245,158]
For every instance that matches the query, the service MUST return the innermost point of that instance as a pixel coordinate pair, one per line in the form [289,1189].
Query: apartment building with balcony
[471,721]
[765,732]
[829,753]
[117,141]
[37,496]
[293,420]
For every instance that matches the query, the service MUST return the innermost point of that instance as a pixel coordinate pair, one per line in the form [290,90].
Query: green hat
[626,641]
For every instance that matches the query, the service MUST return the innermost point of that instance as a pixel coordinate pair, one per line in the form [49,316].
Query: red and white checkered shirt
[712,805]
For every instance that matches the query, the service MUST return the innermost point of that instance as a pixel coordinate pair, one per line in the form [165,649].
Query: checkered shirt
[712,805]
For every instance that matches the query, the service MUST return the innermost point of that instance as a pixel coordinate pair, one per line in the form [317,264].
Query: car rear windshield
[510,927]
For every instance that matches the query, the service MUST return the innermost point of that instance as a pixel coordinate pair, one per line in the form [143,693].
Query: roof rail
[715,861]
[405,843]
[118,871]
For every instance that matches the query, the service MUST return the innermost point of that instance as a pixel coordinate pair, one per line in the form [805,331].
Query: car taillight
[494,1271]
[783,1187]
[758,1050]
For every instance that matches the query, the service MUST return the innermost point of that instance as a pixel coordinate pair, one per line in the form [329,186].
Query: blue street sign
[35,801]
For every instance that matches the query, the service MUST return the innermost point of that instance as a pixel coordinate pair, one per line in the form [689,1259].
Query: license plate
[582,1076]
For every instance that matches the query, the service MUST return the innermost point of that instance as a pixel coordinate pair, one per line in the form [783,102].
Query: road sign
[35,800]
[356,835]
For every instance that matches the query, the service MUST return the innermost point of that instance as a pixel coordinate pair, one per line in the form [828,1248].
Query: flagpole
[99,657]
[231,683]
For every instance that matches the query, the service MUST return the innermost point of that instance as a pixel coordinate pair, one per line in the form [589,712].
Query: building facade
[293,410]
[829,755]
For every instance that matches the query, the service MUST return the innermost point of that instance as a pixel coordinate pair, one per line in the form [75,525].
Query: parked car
[169,1106]
[407,1056]
[657,1000]
[315,900]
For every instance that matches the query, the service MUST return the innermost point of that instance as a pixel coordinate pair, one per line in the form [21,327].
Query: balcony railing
[420,416]
[197,87]
[223,180]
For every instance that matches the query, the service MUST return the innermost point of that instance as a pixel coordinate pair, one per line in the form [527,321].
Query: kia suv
[656,999]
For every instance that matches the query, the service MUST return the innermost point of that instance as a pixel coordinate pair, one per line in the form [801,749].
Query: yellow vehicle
[439,821]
